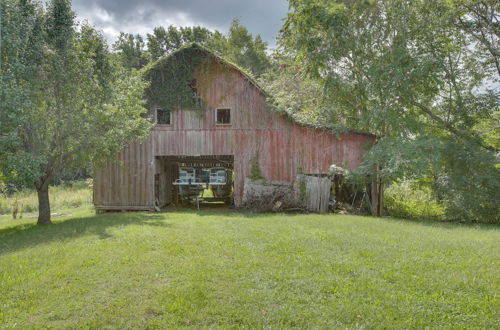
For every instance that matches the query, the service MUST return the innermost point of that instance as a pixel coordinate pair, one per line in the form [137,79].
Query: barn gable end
[254,136]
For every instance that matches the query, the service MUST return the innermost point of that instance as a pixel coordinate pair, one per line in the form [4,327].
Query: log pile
[307,194]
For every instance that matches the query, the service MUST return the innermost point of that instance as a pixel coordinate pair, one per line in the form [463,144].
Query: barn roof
[164,60]
[197,47]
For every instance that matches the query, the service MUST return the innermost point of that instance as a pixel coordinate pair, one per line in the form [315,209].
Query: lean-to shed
[209,112]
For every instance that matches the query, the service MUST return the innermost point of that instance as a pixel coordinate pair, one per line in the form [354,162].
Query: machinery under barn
[214,135]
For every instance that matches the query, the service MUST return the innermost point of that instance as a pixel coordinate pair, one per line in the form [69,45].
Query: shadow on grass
[443,223]
[218,210]
[235,214]
[222,210]
[29,235]
[353,217]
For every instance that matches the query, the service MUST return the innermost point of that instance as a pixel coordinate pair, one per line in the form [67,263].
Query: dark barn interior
[171,189]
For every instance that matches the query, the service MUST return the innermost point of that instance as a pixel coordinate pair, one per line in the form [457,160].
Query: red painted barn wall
[282,147]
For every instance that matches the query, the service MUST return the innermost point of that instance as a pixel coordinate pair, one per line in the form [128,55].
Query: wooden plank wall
[128,182]
[281,147]
[317,192]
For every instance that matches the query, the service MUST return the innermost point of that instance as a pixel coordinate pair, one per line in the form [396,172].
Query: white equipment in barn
[192,183]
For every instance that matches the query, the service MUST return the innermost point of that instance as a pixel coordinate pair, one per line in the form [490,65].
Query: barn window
[223,116]
[162,117]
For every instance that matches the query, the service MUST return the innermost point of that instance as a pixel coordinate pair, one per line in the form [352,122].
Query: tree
[164,41]
[410,71]
[480,20]
[291,92]
[239,46]
[131,50]
[20,54]
[65,101]
[245,50]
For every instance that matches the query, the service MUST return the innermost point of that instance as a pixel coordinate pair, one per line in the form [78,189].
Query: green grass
[231,270]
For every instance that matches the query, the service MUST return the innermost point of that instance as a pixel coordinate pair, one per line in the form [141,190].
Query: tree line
[238,46]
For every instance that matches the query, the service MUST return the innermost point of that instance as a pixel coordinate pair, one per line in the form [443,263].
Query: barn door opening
[191,181]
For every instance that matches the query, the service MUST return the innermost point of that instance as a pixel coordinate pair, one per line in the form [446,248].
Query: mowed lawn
[231,270]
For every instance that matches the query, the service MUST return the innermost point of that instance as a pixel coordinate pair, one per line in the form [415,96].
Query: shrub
[4,206]
[29,208]
[406,199]
[255,172]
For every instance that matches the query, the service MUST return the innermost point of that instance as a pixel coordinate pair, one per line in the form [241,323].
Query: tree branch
[450,128]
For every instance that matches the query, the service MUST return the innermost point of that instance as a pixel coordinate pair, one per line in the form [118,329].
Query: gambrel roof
[164,60]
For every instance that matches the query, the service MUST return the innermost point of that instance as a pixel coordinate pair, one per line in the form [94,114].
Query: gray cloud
[262,17]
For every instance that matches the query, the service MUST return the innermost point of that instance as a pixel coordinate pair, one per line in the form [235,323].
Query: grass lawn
[228,269]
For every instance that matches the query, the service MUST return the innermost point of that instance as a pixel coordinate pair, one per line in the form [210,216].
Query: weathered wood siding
[316,192]
[282,147]
[128,182]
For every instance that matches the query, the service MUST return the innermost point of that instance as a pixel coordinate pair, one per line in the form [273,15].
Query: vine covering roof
[189,55]
[195,47]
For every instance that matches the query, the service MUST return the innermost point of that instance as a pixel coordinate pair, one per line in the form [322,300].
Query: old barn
[208,113]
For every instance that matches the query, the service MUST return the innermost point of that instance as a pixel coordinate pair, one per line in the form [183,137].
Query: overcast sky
[262,17]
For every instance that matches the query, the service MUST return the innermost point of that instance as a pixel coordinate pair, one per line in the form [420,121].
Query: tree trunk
[374,198]
[381,199]
[43,204]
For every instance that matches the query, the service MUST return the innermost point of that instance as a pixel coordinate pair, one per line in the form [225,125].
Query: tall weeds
[72,195]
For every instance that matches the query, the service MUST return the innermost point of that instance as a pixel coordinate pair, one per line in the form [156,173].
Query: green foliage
[293,94]
[409,200]
[130,51]
[170,79]
[479,21]
[165,41]
[241,270]
[255,172]
[63,101]
[244,50]
[468,183]
[422,74]
[303,192]
[20,55]
[59,24]
[238,46]
[388,62]
[62,198]
[464,179]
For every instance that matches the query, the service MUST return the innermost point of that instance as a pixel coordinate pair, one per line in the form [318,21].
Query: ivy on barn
[172,84]
[172,78]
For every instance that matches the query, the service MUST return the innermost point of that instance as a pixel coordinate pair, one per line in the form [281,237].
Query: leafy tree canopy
[417,73]
[130,50]
[238,46]
[63,101]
